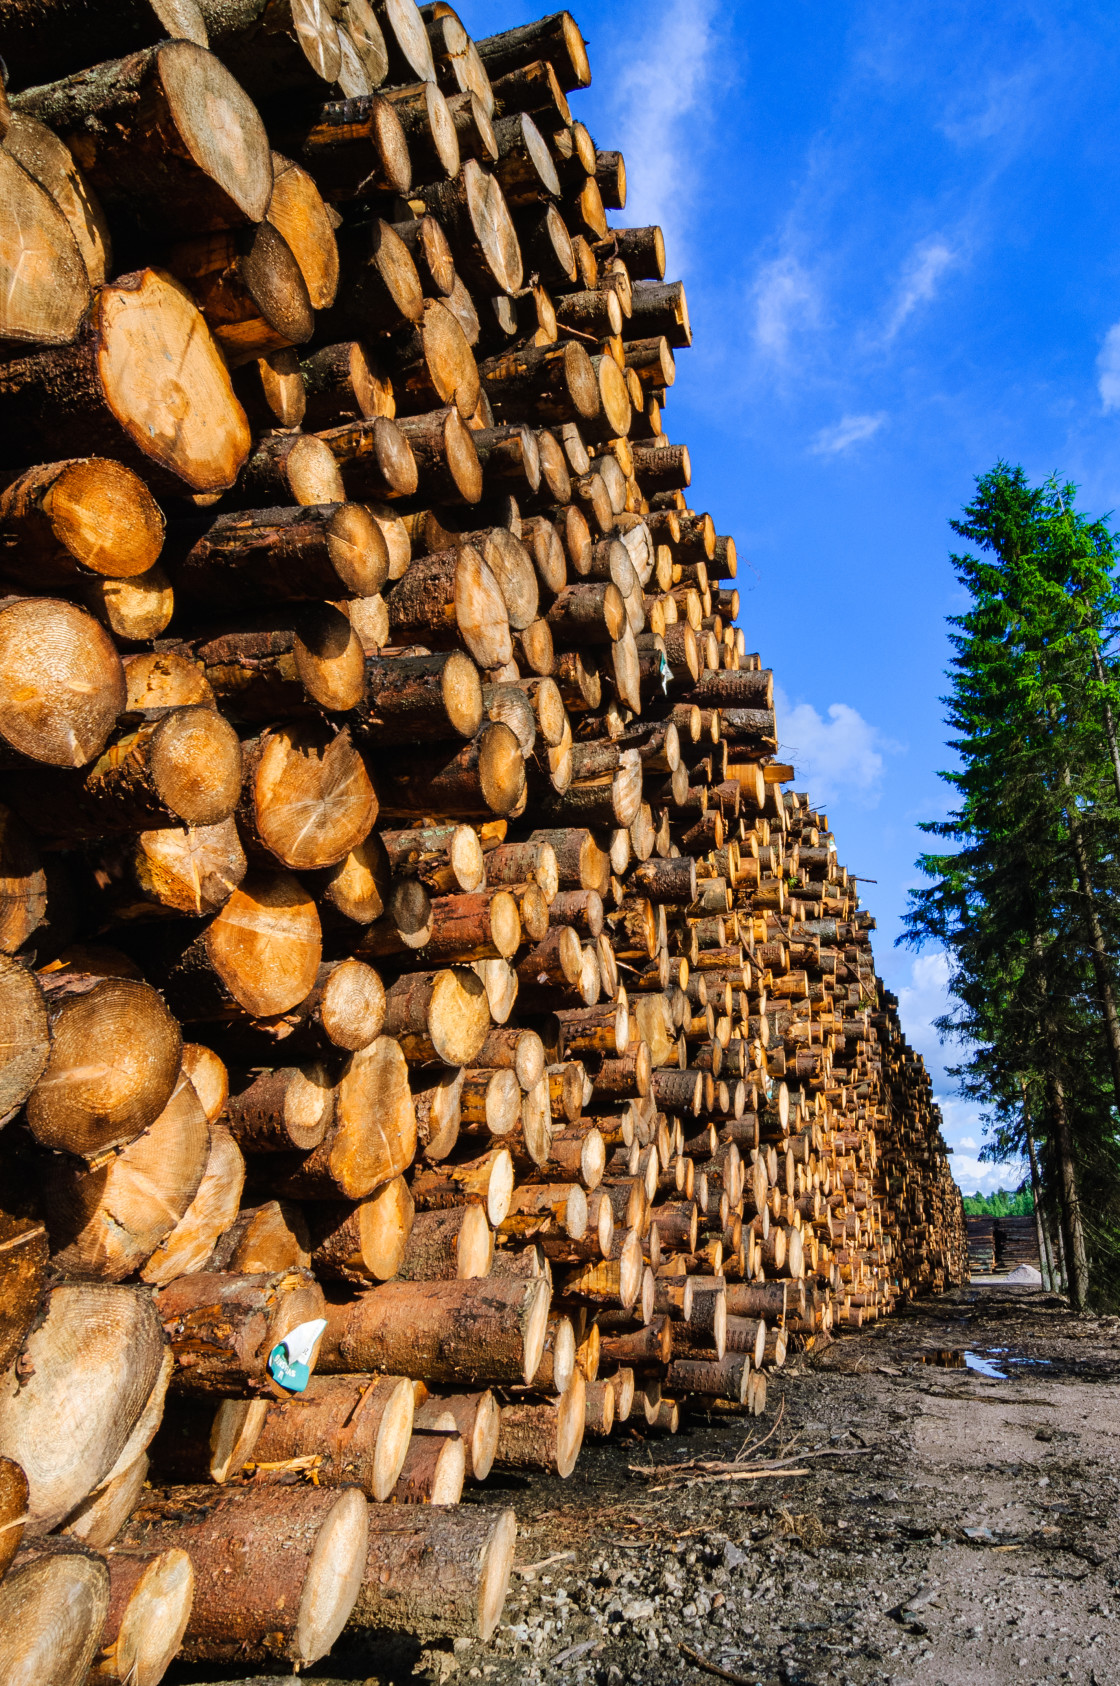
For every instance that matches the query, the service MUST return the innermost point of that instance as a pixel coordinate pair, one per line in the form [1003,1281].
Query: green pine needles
[1024,892]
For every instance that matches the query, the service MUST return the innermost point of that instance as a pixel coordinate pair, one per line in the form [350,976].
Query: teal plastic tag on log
[289,1362]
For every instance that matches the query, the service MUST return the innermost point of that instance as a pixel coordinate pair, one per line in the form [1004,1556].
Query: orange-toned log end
[62,521]
[114,1060]
[62,685]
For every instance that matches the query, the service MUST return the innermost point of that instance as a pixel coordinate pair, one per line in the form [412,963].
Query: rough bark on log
[355,1427]
[308,552]
[224,1328]
[545,1437]
[437,1572]
[286,1593]
[486,777]
[445,1244]
[166,136]
[450,1332]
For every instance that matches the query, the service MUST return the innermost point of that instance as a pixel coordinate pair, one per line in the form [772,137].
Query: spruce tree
[1026,897]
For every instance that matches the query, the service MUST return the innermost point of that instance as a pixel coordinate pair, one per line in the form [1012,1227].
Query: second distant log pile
[434,1032]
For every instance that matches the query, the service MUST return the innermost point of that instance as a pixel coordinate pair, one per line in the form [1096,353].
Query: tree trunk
[13,1511]
[62,522]
[420,699]
[308,799]
[224,1329]
[262,1240]
[363,1243]
[184,766]
[114,1060]
[485,777]
[373,1137]
[476,218]
[434,365]
[437,1572]
[550,384]
[454,1243]
[285,1591]
[1044,1259]
[345,383]
[298,554]
[449,1332]
[190,1243]
[150,1599]
[249,287]
[1098,952]
[556,39]
[1072,1229]
[166,137]
[356,1428]
[61,683]
[434,1467]
[545,1437]
[449,598]
[261,953]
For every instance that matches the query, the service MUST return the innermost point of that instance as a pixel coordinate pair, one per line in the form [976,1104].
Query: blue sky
[898,228]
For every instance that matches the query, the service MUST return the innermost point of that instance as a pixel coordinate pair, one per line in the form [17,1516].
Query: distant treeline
[1000,1204]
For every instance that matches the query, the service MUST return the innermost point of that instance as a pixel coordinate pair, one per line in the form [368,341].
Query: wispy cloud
[664,75]
[1108,369]
[786,299]
[848,431]
[920,278]
[841,756]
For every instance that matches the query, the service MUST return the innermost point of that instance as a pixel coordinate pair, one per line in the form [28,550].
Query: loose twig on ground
[713,1668]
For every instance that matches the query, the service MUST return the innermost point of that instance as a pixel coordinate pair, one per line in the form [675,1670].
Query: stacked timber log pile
[431,1034]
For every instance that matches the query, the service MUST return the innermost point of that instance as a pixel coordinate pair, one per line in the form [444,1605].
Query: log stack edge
[434,1030]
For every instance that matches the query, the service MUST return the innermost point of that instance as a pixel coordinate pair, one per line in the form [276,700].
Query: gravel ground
[946,1527]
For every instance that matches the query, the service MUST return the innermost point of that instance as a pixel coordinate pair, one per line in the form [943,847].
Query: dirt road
[930,1524]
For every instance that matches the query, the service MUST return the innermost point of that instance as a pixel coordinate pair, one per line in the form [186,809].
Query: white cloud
[925,998]
[848,431]
[838,756]
[1108,369]
[920,278]
[785,299]
[662,76]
